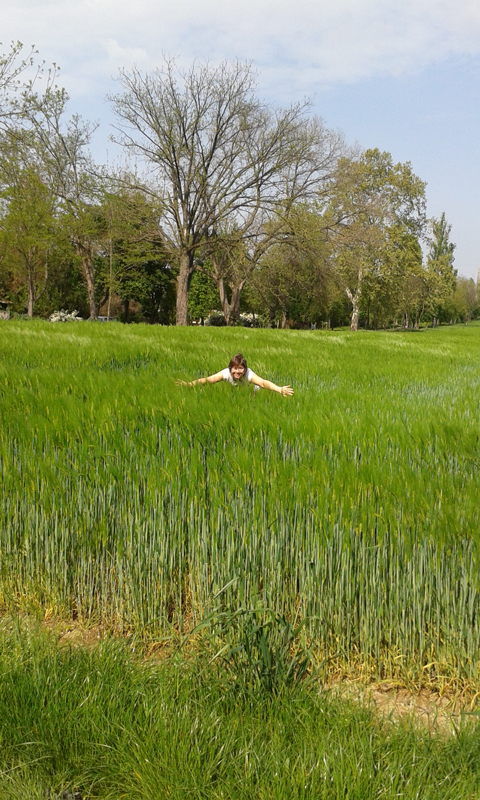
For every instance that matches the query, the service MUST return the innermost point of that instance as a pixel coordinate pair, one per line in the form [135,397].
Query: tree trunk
[355,301]
[235,304]
[42,290]
[231,310]
[31,294]
[355,317]
[89,273]
[223,299]
[421,313]
[110,280]
[284,319]
[184,279]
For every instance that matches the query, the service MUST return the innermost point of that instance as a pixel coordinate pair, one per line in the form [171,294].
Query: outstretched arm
[283,390]
[211,379]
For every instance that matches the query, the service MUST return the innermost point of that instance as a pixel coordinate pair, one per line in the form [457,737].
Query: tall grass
[105,725]
[353,505]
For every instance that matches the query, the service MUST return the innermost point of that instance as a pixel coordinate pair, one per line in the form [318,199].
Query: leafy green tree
[135,266]
[229,264]
[375,206]
[203,295]
[464,302]
[440,244]
[400,288]
[60,151]
[27,233]
[294,276]
[440,273]
[338,311]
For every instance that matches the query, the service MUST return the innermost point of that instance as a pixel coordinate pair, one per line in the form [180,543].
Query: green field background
[352,505]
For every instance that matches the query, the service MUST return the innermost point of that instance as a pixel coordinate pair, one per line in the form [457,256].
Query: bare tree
[217,156]
[19,71]
[233,255]
[61,153]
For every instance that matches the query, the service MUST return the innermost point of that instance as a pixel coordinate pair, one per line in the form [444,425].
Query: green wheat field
[352,507]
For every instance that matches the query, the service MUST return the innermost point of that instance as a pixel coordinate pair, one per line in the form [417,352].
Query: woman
[237,373]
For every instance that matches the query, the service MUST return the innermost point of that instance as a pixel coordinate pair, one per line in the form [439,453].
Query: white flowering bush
[252,321]
[65,316]
[247,320]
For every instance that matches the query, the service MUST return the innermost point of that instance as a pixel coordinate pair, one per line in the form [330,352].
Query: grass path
[102,722]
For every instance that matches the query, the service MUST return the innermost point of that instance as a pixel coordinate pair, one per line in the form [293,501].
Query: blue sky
[401,75]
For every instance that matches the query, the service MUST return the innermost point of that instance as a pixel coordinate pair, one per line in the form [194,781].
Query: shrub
[64,316]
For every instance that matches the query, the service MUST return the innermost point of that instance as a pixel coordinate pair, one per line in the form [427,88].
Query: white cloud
[295,44]
[299,48]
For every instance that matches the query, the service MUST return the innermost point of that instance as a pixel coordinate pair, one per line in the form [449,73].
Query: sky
[400,75]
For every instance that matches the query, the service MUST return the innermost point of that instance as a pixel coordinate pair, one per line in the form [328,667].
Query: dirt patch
[425,708]
[73,633]
[84,637]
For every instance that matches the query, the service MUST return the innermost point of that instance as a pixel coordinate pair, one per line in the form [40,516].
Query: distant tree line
[223,202]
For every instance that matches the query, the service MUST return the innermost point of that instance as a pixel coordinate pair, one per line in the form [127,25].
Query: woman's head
[237,366]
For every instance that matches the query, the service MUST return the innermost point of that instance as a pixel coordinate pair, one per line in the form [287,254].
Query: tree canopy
[218,157]
[267,207]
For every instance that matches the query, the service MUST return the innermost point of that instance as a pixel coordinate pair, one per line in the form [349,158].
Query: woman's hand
[286,390]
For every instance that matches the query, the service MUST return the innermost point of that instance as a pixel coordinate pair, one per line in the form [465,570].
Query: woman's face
[237,372]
